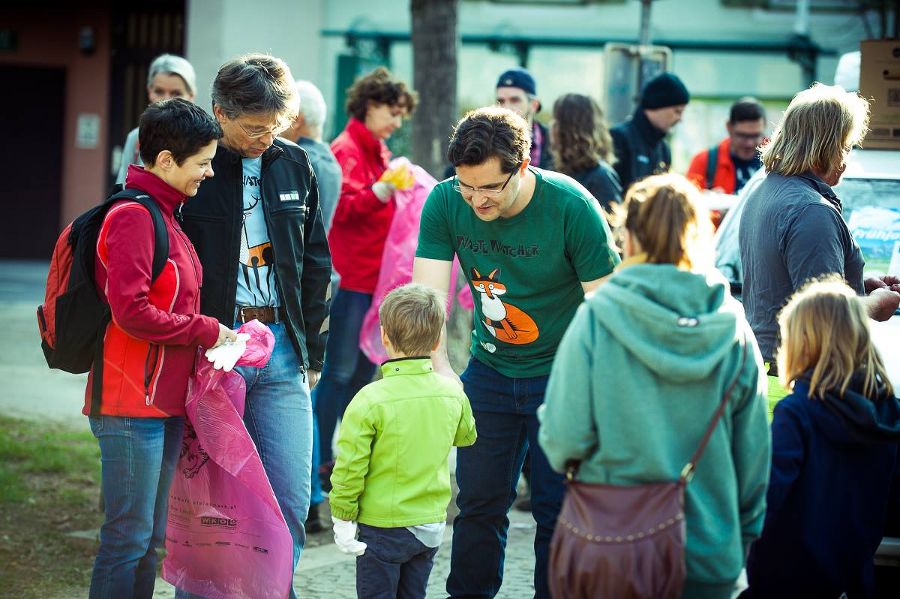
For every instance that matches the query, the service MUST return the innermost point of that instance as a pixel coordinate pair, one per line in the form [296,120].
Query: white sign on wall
[87,132]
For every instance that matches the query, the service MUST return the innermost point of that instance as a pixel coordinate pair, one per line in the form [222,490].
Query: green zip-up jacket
[395,438]
[636,380]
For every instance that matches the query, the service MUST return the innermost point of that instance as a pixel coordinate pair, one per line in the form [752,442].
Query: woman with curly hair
[377,105]
[582,147]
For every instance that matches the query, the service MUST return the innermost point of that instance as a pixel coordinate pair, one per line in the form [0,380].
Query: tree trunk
[434,43]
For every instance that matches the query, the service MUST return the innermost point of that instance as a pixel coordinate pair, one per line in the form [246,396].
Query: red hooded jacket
[361,220]
[151,343]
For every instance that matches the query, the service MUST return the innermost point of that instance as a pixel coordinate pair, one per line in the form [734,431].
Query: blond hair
[412,317]
[664,214]
[819,126]
[825,329]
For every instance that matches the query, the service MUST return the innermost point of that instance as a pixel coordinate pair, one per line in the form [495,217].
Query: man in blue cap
[517,91]
[639,143]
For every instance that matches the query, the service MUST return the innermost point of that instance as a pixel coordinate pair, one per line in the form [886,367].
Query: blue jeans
[138,458]
[346,370]
[487,474]
[395,565]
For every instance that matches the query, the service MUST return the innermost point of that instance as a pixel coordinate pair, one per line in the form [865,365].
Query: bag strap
[712,159]
[687,473]
[160,234]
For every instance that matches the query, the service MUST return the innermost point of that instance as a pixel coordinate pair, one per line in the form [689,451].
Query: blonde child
[835,452]
[392,475]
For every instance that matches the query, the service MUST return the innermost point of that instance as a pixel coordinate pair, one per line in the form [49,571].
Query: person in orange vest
[727,166]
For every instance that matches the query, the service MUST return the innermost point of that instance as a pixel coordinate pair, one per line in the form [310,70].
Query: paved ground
[32,391]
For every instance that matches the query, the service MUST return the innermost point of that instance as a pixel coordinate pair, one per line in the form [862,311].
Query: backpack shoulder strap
[712,160]
[688,471]
[160,234]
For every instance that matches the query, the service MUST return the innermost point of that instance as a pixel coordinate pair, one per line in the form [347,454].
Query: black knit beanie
[664,90]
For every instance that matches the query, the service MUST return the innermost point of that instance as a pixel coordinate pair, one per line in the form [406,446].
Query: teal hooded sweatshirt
[636,380]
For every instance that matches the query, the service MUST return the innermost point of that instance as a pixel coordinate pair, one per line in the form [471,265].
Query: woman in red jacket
[377,104]
[149,346]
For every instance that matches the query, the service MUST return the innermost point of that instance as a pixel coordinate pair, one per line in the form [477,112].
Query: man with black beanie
[639,143]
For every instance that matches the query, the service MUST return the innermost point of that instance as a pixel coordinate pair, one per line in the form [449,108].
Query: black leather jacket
[212,220]
[641,149]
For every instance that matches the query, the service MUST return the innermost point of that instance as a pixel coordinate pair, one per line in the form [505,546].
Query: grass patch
[49,486]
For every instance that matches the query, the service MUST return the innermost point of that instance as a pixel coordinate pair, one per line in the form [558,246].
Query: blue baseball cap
[518,77]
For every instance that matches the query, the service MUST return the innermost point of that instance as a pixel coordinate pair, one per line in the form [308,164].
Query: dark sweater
[833,464]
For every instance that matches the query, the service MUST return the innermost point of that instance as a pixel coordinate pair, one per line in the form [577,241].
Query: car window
[872,210]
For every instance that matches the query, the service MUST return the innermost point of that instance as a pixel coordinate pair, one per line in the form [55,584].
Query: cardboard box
[879,82]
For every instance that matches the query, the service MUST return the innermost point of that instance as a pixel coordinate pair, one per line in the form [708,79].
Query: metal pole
[801,20]
[645,22]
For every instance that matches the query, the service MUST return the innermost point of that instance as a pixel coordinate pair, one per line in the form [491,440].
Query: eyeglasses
[256,134]
[468,192]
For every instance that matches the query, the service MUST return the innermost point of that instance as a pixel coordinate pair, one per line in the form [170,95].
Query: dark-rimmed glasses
[467,191]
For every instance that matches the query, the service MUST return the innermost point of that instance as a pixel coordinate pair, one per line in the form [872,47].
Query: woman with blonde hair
[639,375]
[791,229]
[582,147]
[835,447]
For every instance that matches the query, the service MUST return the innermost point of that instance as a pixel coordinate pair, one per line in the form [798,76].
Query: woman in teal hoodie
[643,367]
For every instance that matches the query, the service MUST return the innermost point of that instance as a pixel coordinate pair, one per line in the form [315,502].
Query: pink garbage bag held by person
[398,256]
[226,535]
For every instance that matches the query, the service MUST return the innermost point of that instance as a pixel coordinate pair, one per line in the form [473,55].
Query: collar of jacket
[411,365]
[646,128]
[367,141]
[165,195]
[639,258]
[231,157]
[823,189]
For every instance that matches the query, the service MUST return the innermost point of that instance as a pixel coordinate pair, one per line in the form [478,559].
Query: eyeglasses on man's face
[257,132]
[491,190]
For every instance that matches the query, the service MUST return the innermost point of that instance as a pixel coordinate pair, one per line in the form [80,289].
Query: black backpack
[73,318]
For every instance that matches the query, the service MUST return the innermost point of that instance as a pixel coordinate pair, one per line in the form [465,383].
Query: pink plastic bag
[226,535]
[398,256]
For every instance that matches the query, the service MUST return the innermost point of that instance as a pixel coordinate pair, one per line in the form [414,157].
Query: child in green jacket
[392,475]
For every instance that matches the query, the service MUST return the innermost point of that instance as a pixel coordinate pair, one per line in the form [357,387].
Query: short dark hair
[490,132]
[176,125]
[380,87]
[746,109]
[255,84]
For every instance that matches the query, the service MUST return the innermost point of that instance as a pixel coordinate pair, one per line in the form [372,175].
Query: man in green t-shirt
[531,243]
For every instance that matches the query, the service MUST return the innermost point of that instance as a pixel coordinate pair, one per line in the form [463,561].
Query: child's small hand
[345,537]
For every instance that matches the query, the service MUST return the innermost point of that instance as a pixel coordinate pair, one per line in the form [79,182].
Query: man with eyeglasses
[532,243]
[261,241]
[727,166]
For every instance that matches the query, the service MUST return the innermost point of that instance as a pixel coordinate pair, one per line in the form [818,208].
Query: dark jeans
[487,473]
[395,564]
[346,370]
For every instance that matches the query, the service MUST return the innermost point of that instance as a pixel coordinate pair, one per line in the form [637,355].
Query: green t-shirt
[525,272]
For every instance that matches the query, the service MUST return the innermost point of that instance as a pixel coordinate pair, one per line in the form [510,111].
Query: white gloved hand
[383,190]
[226,355]
[345,537]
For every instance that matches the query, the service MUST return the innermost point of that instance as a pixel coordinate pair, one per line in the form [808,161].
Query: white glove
[345,537]
[224,356]
[384,190]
